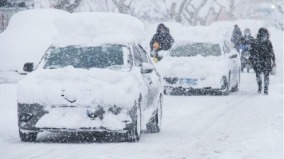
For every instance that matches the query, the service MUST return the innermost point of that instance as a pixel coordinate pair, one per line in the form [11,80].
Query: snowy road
[243,125]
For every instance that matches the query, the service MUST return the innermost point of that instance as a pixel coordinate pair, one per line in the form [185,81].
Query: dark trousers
[259,80]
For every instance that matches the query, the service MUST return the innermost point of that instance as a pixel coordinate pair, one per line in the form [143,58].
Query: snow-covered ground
[243,125]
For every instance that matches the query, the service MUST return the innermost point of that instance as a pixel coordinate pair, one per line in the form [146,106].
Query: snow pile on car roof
[27,37]
[98,28]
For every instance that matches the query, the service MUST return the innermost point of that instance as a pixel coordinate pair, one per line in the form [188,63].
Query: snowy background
[243,125]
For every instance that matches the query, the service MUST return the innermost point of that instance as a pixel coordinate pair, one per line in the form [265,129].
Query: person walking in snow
[236,36]
[247,39]
[262,58]
[162,40]
[245,48]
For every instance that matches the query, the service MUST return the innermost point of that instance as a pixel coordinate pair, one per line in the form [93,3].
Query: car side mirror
[233,56]
[146,68]
[28,67]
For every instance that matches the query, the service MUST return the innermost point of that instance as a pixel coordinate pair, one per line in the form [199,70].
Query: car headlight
[170,80]
[115,110]
[98,113]
[25,117]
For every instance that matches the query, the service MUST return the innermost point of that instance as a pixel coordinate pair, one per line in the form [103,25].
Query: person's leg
[266,82]
[259,81]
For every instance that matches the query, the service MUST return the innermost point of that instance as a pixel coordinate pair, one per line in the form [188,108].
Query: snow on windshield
[85,57]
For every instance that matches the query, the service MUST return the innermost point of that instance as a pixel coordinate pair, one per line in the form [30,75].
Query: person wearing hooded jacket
[262,58]
[162,40]
[245,47]
[247,39]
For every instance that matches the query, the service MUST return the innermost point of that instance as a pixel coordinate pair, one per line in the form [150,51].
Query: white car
[200,67]
[91,87]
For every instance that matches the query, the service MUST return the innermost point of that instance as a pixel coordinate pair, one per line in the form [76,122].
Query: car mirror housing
[146,68]
[233,56]
[28,67]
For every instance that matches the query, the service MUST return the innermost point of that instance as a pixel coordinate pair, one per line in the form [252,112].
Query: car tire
[227,84]
[134,134]
[165,92]
[236,88]
[154,125]
[28,137]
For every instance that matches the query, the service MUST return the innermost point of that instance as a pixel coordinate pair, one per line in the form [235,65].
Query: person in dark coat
[236,36]
[262,58]
[162,40]
[247,39]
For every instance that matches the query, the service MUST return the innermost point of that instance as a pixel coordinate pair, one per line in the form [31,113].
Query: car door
[233,58]
[154,76]
[139,58]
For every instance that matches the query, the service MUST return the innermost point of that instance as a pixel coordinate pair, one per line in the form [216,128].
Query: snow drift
[27,37]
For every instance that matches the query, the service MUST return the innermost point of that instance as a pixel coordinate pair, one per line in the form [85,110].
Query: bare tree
[122,6]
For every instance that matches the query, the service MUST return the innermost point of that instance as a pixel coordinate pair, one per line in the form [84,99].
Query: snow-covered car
[200,67]
[84,85]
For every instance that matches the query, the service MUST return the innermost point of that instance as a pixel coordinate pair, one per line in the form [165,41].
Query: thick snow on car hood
[194,67]
[208,71]
[80,87]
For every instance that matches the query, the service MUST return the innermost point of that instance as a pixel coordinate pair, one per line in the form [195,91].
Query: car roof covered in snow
[98,28]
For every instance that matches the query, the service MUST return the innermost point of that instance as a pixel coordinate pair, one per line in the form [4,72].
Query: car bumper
[179,90]
[38,118]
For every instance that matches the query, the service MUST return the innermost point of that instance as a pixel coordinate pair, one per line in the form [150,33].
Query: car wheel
[28,137]
[134,134]
[154,125]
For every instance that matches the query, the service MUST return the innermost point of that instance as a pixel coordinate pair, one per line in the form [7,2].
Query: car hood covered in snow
[80,87]
[210,70]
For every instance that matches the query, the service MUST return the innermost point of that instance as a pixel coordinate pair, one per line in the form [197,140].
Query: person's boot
[259,88]
[266,90]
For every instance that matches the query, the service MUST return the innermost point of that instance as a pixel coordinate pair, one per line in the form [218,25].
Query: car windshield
[194,49]
[87,57]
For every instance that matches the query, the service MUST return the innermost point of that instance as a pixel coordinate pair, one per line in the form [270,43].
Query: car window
[137,57]
[226,47]
[143,54]
[87,57]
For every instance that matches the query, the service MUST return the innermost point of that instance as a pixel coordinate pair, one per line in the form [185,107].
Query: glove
[153,53]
